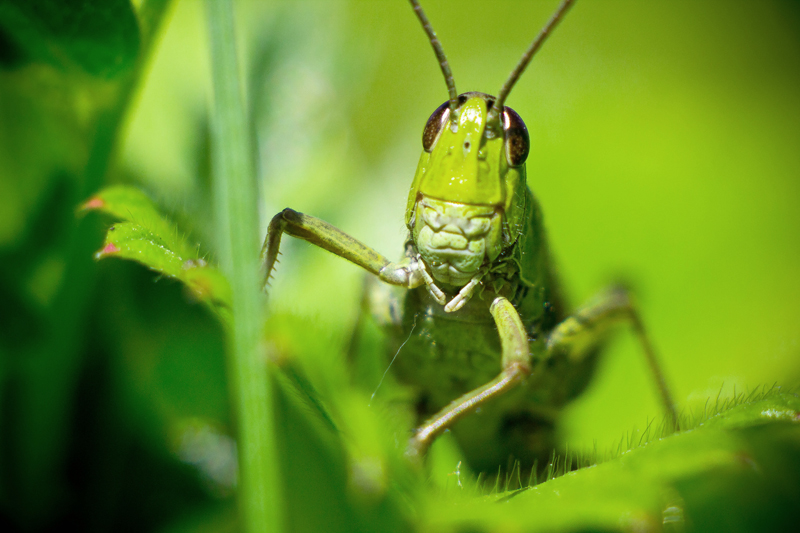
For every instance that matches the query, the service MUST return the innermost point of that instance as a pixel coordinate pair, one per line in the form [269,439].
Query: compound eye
[517,141]
[435,125]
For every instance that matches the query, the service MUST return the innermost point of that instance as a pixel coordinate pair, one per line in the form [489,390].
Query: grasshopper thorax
[467,200]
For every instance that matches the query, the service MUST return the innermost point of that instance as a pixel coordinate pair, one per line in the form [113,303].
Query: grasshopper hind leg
[584,331]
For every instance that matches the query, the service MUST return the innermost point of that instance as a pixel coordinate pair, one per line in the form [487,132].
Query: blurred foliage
[146,237]
[664,151]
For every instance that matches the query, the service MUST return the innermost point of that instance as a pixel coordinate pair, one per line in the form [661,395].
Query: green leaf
[128,240]
[130,204]
[145,236]
[101,37]
[772,405]
[681,481]
[66,80]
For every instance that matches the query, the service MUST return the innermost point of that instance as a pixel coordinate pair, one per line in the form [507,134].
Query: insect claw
[463,295]
[455,304]
[437,294]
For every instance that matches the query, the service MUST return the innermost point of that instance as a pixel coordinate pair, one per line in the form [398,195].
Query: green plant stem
[235,216]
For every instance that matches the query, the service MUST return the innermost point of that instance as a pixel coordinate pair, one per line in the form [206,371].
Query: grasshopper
[474,301]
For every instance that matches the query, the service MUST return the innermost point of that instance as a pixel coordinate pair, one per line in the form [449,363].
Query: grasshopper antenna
[439,51]
[497,107]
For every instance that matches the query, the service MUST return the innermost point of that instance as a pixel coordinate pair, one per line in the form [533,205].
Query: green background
[665,152]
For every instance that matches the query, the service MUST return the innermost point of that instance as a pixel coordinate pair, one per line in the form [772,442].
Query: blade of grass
[235,217]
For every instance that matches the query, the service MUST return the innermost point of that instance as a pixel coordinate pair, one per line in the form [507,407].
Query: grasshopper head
[467,200]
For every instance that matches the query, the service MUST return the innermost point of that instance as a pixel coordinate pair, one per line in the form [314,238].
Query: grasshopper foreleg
[516,366]
[576,335]
[331,238]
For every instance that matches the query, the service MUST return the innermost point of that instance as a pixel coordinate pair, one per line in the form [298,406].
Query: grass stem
[260,499]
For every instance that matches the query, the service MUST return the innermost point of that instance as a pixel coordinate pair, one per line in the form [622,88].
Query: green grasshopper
[474,302]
